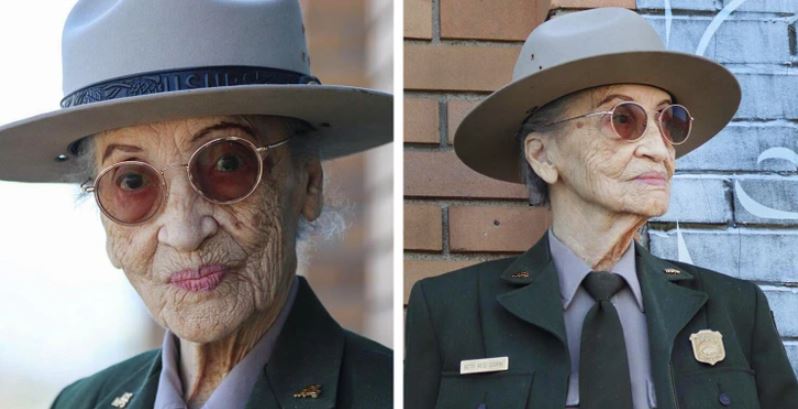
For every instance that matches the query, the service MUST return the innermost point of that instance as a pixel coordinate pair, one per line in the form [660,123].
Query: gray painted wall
[736,198]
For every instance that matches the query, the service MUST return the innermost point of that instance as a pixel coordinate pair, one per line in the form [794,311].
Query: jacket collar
[669,308]
[535,298]
[537,301]
[139,388]
[309,351]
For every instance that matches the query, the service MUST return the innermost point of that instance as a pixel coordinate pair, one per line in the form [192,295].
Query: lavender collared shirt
[577,302]
[236,387]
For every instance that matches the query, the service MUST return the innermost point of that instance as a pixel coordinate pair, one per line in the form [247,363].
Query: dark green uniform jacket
[512,308]
[312,348]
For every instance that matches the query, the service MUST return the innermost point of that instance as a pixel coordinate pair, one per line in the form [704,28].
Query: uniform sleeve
[775,379]
[422,356]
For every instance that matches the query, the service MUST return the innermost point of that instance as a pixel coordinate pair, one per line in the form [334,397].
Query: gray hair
[303,144]
[537,121]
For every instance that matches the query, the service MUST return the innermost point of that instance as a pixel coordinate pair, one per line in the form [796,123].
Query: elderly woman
[587,318]
[205,160]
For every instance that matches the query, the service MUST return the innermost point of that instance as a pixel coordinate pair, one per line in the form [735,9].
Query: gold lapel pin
[310,391]
[122,401]
[708,346]
[672,271]
[520,274]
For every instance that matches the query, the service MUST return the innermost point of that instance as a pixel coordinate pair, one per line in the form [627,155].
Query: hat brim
[485,139]
[347,119]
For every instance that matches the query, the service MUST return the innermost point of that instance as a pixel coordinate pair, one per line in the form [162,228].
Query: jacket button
[724,399]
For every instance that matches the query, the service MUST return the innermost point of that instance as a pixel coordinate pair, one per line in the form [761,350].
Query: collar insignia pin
[122,400]
[708,346]
[310,391]
[672,271]
[521,274]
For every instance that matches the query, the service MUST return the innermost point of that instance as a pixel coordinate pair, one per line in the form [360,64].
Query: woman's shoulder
[366,374]
[87,392]
[461,280]
[715,283]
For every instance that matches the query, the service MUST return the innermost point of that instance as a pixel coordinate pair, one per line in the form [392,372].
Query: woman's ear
[536,155]
[314,198]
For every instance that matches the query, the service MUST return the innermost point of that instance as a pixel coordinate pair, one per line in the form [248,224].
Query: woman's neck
[596,235]
[204,366]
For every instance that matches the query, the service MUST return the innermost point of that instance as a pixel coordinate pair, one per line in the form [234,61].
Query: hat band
[179,80]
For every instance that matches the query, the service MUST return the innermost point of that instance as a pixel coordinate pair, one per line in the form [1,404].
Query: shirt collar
[235,388]
[571,270]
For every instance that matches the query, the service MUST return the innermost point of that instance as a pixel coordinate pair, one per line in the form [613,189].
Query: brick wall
[735,207]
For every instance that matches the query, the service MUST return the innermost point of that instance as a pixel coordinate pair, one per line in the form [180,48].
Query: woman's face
[591,164]
[201,268]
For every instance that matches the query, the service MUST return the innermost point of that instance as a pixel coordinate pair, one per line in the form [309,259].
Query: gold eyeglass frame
[658,117]
[260,151]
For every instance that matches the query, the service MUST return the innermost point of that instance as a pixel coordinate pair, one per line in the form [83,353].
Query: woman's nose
[654,144]
[187,220]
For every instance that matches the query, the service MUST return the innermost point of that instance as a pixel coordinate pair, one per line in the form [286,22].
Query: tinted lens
[129,193]
[675,123]
[629,121]
[225,170]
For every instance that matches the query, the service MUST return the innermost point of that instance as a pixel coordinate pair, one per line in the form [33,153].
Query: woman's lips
[652,178]
[203,279]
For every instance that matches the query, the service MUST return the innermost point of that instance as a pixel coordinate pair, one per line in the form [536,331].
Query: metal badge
[497,364]
[708,346]
[122,401]
[310,391]
[672,271]
[521,274]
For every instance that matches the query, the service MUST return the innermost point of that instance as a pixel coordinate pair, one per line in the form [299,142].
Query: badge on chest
[708,346]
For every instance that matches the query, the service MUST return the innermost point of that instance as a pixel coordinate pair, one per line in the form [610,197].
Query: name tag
[470,366]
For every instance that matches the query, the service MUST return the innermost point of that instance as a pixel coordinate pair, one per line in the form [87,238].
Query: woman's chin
[199,334]
[202,325]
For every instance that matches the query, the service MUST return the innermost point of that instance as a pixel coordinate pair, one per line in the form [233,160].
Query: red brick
[421,120]
[509,20]
[458,67]
[590,4]
[547,7]
[419,269]
[441,174]
[423,227]
[496,228]
[456,110]
[418,18]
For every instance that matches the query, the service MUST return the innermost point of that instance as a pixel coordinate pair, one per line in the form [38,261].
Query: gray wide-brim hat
[130,62]
[583,50]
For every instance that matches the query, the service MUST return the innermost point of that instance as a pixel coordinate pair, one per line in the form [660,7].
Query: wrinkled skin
[598,201]
[255,238]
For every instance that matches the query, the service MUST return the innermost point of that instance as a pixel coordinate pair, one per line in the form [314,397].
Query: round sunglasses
[630,119]
[223,171]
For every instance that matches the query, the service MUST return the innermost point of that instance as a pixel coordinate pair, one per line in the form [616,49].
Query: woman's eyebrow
[610,97]
[126,148]
[221,126]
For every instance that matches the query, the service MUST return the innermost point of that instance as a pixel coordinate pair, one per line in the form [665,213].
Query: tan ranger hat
[130,62]
[583,50]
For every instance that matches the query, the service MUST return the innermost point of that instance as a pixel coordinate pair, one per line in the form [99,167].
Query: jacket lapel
[537,301]
[309,351]
[137,391]
[669,308]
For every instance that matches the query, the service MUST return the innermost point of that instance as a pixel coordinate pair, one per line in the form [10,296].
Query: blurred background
[52,250]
